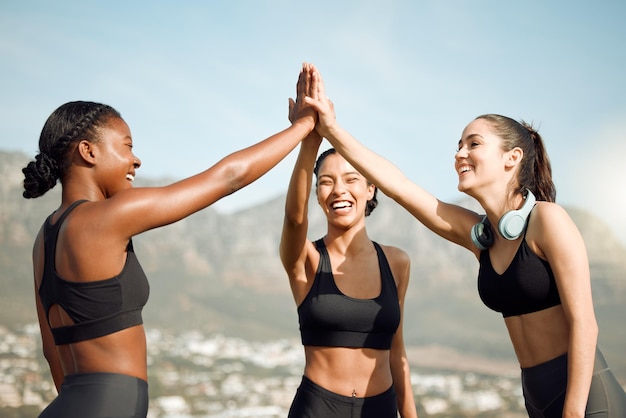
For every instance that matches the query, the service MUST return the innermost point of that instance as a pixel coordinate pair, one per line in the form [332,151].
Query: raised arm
[139,209]
[450,221]
[294,245]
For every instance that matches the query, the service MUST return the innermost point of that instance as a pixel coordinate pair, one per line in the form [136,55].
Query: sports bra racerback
[99,307]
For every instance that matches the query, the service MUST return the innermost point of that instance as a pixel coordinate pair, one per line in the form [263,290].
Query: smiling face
[480,159]
[342,191]
[116,163]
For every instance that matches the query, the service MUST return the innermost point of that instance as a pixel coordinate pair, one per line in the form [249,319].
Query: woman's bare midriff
[123,352]
[359,372]
[539,336]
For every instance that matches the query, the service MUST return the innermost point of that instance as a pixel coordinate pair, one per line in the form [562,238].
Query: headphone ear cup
[513,223]
[482,235]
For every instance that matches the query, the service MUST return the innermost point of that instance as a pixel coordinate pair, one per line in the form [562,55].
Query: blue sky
[197,80]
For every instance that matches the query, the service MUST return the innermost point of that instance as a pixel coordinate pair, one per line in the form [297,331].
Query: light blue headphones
[511,225]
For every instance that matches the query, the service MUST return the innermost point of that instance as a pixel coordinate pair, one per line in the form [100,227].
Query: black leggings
[100,395]
[544,390]
[313,401]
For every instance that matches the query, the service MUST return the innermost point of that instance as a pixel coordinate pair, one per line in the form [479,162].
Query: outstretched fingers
[320,90]
[301,86]
[317,96]
[320,102]
[312,83]
[301,91]
[300,108]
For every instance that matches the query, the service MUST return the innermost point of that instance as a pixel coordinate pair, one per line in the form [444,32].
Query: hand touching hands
[299,109]
[311,101]
[320,102]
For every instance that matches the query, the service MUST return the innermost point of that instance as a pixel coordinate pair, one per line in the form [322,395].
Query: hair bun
[47,165]
[40,176]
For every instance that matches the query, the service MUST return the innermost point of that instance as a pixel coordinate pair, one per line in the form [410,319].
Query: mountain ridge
[219,272]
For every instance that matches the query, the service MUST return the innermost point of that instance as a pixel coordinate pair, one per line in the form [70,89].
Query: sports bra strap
[71,208]
[49,263]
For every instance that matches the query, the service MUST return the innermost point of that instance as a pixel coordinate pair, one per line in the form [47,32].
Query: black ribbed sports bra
[526,286]
[331,319]
[97,308]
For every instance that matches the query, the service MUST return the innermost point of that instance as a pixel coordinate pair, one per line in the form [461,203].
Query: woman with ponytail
[533,262]
[89,286]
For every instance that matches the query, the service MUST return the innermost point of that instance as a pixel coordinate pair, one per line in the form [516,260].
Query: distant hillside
[221,272]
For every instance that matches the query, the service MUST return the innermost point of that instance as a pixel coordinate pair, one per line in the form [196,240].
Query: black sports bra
[331,319]
[97,308]
[526,286]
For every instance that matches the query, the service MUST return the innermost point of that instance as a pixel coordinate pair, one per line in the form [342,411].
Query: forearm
[581,357]
[400,369]
[299,190]
[404,390]
[377,169]
[295,223]
[50,352]
[392,182]
[383,173]
[54,363]
[247,165]
[57,376]
[132,210]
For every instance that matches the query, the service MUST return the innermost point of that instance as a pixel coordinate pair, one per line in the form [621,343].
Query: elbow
[591,327]
[295,218]
[593,330]
[296,211]
[236,176]
[587,329]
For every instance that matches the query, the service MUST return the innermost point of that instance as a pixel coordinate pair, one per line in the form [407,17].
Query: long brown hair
[535,172]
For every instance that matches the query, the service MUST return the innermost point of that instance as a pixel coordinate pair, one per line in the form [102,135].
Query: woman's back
[95,317]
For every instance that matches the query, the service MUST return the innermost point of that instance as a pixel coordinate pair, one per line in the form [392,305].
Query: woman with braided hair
[90,288]
[533,262]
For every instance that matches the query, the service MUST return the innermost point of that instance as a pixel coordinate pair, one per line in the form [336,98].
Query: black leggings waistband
[98,395]
[308,384]
[544,389]
[313,401]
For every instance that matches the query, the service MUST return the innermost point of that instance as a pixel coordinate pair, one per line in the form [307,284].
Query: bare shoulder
[399,262]
[550,229]
[547,210]
[112,220]
[547,217]
[394,253]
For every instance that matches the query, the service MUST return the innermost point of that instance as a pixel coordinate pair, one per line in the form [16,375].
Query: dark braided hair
[371,204]
[67,125]
[535,172]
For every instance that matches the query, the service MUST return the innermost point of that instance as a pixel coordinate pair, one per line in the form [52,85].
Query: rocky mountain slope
[221,273]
